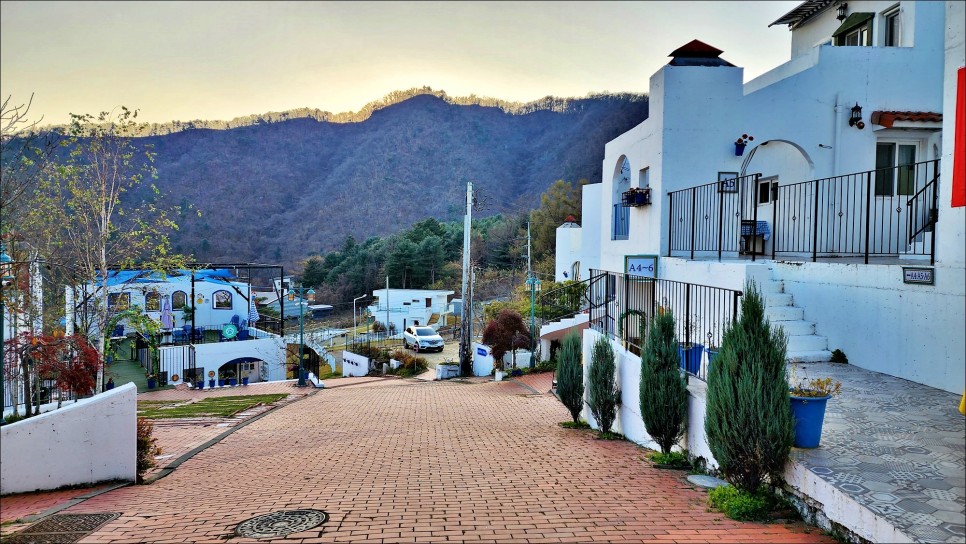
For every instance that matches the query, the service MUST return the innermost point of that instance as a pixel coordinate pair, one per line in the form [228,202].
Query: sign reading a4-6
[644,266]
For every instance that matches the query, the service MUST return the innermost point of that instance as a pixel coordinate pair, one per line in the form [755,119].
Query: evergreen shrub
[605,395]
[749,422]
[663,391]
[570,375]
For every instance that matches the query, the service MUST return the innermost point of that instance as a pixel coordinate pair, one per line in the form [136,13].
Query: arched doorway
[620,218]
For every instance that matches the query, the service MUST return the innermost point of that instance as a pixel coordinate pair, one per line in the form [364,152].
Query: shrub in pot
[808,400]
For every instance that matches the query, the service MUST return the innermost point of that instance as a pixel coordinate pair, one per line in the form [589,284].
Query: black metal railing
[707,218]
[622,306]
[43,391]
[563,302]
[877,213]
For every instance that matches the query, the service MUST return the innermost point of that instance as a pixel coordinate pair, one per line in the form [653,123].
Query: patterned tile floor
[897,448]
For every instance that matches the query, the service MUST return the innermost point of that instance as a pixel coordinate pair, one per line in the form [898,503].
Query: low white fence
[354,364]
[90,441]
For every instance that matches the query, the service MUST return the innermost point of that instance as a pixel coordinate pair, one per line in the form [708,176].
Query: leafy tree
[99,211]
[749,422]
[570,375]
[664,392]
[562,199]
[605,395]
[70,360]
[505,333]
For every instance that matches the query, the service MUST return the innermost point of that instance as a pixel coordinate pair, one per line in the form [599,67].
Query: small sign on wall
[919,274]
[644,266]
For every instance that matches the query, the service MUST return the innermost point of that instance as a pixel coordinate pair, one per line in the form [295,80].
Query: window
[152,302]
[767,191]
[118,302]
[890,28]
[895,169]
[221,300]
[856,30]
[644,178]
[622,182]
[179,299]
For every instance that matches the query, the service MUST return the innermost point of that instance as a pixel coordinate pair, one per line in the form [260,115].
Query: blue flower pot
[200,385]
[233,381]
[809,415]
[711,356]
[245,380]
[152,383]
[691,358]
[221,382]
[211,384]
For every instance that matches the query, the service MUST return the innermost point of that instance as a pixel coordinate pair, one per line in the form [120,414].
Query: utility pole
[466,325]
[534,284]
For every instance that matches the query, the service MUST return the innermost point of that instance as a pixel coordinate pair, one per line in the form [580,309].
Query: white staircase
[919,249]
[804,346]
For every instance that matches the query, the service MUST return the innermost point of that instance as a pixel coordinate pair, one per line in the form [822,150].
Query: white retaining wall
[354,364]
[92,440]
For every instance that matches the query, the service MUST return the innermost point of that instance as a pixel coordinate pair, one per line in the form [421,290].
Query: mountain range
[284,186]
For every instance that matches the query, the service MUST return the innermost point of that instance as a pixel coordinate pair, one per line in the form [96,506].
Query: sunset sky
[220,60]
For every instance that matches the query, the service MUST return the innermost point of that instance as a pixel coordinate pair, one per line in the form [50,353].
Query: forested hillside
[283,189]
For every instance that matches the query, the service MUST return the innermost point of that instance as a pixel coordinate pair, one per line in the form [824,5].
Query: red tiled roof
[696,48]
[888,118]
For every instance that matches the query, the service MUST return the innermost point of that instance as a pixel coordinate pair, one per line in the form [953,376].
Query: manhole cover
[281,523]
[707,482]
[61,529]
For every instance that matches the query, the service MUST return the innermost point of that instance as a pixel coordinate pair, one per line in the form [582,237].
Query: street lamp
[291,296]
[354,326]
[6,264]
[534,283]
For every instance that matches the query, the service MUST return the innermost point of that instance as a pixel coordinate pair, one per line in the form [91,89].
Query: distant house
[403,308]
[220,330]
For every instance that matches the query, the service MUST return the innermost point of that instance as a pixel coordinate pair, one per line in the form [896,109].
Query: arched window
[179,299]
[152,302]
[621,218]
[221,300]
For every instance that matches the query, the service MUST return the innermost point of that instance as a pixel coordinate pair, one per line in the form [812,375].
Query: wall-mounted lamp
[841,11]
[855,120]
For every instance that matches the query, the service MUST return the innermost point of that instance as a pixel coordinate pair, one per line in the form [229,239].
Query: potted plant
[152,381]
[200,384]
[232,381]
[690,352]
[244,380]
[808,400]
[221,379]
[711,348]
[740,144]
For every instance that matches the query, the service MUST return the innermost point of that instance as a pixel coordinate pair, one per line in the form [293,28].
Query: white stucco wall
[354,364]
[951,229]
[909,331]
[270,350]
[92,440]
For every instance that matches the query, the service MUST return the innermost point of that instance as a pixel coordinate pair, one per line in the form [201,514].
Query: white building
[219,335]
[846,197]
[403,308]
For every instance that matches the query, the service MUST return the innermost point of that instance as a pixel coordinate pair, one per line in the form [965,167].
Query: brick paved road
[407,461]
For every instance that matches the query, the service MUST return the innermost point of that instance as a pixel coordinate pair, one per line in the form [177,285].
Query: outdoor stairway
[804,346]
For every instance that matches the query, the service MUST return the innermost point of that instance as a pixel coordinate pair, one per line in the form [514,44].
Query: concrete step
[822,356]
[772,286]
[784,313]
[806,343]
[778,299]
[795,328]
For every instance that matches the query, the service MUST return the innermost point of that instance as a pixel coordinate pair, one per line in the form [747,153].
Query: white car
[422,339]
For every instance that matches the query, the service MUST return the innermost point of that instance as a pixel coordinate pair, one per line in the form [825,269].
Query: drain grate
[281,523]
[61,529]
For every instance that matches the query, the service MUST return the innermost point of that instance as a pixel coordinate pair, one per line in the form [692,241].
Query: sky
[220,60]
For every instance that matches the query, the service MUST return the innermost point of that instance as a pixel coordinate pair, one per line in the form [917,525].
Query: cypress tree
[570,375]
[664,392]
[604,393]
[749,422]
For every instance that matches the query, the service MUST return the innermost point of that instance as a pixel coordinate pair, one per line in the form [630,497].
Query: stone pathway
[407,461]
[895,447]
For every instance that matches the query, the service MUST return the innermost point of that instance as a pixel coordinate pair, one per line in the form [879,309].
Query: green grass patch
[673,459]
[744,506]
[209,407]
[574,425]
[610,436]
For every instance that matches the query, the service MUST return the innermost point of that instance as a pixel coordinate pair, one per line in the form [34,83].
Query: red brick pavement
[13,507]
[414,462]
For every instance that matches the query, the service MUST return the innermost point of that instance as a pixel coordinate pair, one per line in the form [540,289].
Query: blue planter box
[691,357]
[809,415]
